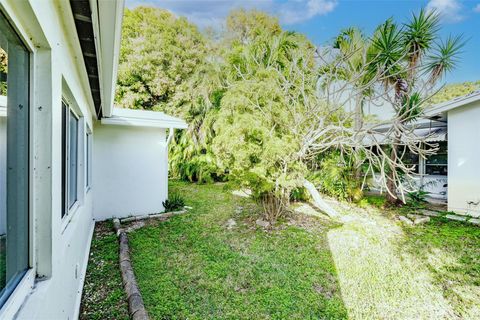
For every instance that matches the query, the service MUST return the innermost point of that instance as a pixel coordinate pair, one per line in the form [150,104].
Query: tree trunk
[358,126]
[318,201]
[392,198]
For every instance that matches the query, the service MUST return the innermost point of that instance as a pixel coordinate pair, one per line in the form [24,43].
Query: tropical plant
[174,202]
[411,59]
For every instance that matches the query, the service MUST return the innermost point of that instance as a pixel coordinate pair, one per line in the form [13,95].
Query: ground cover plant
[215,262]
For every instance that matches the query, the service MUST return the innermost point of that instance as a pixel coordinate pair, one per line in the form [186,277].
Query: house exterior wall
[464,159]
[130,172]
[59,248]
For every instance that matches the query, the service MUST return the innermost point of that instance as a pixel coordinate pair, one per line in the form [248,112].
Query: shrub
[336,177]
[417,198]
[173,203]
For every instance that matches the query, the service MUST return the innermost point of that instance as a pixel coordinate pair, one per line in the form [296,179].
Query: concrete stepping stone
[405,220]
[430,213]
[475,221]
[455,217]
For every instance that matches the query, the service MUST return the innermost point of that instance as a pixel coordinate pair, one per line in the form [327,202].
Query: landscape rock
[405,220]
[430,213]
[245,193]
[421,220]
[231,224]
[455,217]
[238,210]
[475,221]
[418,219]
[262,223]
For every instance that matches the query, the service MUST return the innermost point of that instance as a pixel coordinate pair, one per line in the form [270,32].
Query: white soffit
[142,118]
[108,32]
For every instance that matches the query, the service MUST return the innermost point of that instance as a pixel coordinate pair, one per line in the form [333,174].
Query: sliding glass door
[14,159]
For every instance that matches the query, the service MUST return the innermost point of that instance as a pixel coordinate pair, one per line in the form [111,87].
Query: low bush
[174,202]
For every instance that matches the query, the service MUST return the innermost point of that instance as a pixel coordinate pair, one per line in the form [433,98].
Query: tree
[246,25]
[159,53]
[403,56]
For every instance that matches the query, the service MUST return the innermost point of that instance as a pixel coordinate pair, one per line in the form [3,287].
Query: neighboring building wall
[130,170]
[464,159]
[59,247]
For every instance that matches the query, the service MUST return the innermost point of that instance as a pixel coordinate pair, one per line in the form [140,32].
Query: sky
[321,20]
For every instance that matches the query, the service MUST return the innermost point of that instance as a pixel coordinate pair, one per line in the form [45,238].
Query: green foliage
[3,71]
[245,26]
[253,137]
[243,94]
[174,202]
[454,90]
[417,198]
[159,53]
[377,201]
[335,176]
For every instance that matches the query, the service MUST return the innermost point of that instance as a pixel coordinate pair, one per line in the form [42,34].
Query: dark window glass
[437,164]
[14,155]
[89,159]
[72,160]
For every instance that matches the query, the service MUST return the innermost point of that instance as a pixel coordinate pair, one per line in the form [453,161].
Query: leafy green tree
[159,53]
[246,25]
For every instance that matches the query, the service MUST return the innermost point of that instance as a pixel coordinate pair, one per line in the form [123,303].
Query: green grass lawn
[368,266]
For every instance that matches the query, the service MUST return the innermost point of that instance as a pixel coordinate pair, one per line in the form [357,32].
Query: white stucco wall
[58,247]
[130,172]
[464,159]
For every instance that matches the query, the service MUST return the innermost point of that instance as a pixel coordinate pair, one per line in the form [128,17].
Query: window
[14,155]
[88,148]
[70,133]
[437,164]
[411,159]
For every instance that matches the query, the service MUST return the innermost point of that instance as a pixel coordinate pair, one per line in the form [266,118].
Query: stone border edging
[136,306]
[154,215]
[450,216]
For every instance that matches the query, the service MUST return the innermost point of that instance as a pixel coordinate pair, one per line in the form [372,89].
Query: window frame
[67,111]
[88,158]
[21,279]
